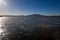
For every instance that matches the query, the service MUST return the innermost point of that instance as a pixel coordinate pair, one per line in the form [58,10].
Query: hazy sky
[25,7]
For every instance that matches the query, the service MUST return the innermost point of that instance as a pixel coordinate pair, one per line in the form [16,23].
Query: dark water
[17,28]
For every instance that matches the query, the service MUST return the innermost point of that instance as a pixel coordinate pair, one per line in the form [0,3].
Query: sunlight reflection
[1,19]
[1,30]
[0,25]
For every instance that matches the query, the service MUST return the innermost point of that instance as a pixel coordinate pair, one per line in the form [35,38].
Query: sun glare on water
[1,30]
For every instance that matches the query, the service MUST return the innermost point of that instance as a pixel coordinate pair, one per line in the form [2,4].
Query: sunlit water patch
[11,27]
[2,28]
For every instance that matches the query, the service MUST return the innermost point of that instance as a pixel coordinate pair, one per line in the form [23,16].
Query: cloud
[3,7]
[3,3]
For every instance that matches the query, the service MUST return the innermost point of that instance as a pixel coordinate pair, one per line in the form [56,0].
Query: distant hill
[36,19]
[30,15]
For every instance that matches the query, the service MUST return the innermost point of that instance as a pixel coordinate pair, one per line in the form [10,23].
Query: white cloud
[3,3]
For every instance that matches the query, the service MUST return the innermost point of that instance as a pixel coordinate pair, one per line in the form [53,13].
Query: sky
[28,7]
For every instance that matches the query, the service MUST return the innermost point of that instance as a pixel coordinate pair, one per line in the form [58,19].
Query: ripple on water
[2,28]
